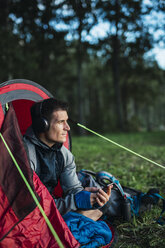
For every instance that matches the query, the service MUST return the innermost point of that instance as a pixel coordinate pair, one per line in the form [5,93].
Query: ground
[94,153]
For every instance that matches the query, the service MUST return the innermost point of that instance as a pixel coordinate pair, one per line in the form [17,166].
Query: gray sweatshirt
[53,164]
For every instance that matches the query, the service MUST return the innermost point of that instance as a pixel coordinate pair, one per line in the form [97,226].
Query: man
[52,161]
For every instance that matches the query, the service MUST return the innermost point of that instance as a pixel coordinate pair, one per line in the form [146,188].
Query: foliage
[96,154]
[106,79]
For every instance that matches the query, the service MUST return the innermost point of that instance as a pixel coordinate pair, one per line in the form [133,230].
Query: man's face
[58,128]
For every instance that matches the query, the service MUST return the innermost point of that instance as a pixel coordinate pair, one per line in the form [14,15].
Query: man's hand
[99,196]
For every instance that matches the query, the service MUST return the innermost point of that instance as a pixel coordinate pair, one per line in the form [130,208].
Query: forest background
[110,81]
[110,78]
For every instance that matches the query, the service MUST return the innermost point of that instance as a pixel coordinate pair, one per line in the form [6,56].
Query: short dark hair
[46,107]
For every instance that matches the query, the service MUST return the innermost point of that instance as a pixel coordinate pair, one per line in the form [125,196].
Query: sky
[101,29]
[160,56]
[158,51]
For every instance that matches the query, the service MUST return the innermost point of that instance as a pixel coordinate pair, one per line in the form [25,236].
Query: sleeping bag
[89,233]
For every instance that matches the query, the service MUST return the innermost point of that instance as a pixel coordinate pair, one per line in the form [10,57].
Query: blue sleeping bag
[89,233]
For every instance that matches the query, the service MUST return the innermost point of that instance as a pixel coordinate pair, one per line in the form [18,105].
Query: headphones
[40,124]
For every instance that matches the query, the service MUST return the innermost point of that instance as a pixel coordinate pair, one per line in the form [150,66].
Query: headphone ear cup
[44,124]
[40,125]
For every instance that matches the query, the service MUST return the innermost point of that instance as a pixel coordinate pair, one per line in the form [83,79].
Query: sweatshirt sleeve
[69,183]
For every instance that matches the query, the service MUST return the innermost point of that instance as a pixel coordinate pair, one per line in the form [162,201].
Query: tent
[21,222]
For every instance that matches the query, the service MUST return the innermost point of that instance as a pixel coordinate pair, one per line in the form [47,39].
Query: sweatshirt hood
[35,140]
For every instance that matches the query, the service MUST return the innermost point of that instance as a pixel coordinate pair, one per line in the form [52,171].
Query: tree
[44,48]
[51,42]
[78,14]
[9,46]
[126,37]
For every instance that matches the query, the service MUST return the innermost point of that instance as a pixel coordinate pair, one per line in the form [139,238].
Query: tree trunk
[80,82]
[115,69]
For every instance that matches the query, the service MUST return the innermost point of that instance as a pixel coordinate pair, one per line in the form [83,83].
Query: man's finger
[91,189]
[109,189]
[103,198]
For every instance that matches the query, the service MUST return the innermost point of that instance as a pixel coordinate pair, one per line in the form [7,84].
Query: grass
[94,153]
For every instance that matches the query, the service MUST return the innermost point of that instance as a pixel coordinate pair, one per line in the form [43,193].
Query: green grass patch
[94,153]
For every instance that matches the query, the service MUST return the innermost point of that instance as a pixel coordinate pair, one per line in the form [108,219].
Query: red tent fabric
[21,222]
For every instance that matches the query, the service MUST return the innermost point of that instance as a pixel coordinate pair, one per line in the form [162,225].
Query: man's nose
[67,127]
